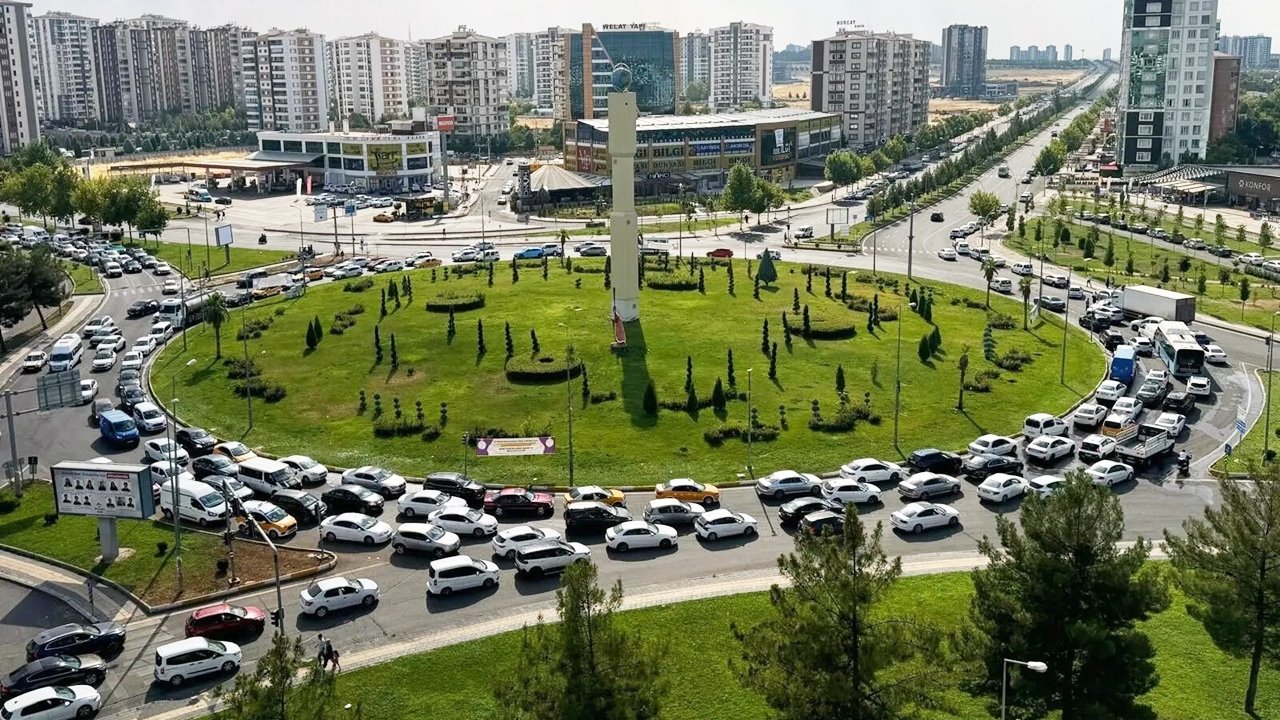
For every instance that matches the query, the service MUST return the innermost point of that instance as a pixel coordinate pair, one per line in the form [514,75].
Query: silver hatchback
[425,538]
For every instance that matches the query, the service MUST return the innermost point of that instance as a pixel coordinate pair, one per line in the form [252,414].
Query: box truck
[1146,301]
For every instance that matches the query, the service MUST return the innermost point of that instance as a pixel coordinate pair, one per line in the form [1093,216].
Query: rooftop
[735,119]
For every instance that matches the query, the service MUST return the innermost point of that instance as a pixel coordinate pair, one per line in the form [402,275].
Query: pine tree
[764,337]
[844,286]
[733,379]
[718,399]
[480,348]
[839,379]
[490,274]
[755,288]
[311,337]
[545,268]
[650,400]
[923,349]
[773,362]
[702,282]
[395,357]
[804,323]
[988,344]
[808,280]
[586,386]
[511,346]
[688,373]
[608,267]
[730,273]
[795,300]
[533,342]
[377,346]
[935,340]
[384,302]
[453,328]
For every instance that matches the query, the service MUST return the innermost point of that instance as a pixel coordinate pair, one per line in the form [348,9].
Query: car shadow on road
[410,560]
[442,604]
[189,690]
[345,547]
[536,584]
[641,555]
[1003,508]
[311,623]
[728,543]
[930,535]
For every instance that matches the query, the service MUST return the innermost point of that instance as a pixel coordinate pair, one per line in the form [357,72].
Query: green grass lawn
[216,258]
[615,441]
[1198,681]
[84,277]
[1251,449]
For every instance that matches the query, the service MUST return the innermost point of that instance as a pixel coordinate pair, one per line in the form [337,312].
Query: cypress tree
[511,346]
[773,362]
[764,337]
[533,340]
[718,399]
[377,346]
[480,348]
[733,379]
[805,327]
[840,379]
[650,400]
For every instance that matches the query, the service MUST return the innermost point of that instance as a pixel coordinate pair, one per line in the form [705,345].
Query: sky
[1088,25]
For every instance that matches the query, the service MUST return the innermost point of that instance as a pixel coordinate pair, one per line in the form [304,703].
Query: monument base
[626,310]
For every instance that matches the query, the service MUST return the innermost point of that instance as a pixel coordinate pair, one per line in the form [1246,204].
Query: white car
[1088,415]
[161,331]
[149,417]
[1109,392]
[88,390]
[1172,422]
[163,449]
[1046,485]
[336,271]
[1139,326]
[113,342]
[380,480]
[782,483]
[872,471]
[1039,424]
[1215,354]
[848,491]
[96,324]
[1096,447]
[510,541]
[170,287]
[36,360]
[424,502]
[465,521]
[947,253]
[132,360]
[1252,258]
[1109,472]
[355,527]
[465,255]
[387,266]
[338,593]
[1001,487]
[990,444]
[638,534]
[719,523]
[308,471]
[1022,268]
[145,345]
[550,556]
[924,485]
[917,517]
[104,359]
[1199,386]
[1108,312]
[1048,449]
[1159,376]
[1130,407]
[1142,346]
[162,268]
[55,703]
[446,575]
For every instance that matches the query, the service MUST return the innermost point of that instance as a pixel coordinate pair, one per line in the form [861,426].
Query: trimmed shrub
[542,369]
[397,427]
[239,369]
[1013,360]
[357,285]
[454,301]
[716,436]
[671,281]
[268,390]
[1000,321]
[827,322]
[254,328]
[341,323]
[603,397]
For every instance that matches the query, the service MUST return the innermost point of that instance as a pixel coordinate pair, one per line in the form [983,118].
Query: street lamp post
[1033,665]
[248,381]
[897,378]
[750,425]
[173,474]
[911,237]
[1066,309]
[568,386]
[1266,435]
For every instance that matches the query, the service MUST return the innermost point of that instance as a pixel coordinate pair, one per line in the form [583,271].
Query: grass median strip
[85,279]
[192,259]
[1253,447]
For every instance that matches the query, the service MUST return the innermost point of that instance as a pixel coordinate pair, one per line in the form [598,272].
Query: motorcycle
[1184,465]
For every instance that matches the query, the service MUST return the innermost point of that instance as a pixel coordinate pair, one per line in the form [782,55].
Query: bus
[1178,348]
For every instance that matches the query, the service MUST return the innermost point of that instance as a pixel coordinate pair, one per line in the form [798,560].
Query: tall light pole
[1066,309]
[1033,665]
[897,376]
[568,386]
[173,472]
[1266,435]
[248,381]
[750,425]
[911,237]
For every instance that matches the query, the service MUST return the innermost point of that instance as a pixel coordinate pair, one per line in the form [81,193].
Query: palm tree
[1024,286]
[216,313]
[988,272]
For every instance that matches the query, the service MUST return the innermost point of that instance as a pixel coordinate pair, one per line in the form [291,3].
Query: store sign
[624,26]
[352,149]
[386,159]
[1263,188]
[418,148]
[704,147]
[777,146]
[115,490]
[446,123]
[740,147]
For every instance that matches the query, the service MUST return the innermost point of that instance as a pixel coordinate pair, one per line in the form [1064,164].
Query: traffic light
[277,617]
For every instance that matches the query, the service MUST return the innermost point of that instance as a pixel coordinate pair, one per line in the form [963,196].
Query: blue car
[531,253]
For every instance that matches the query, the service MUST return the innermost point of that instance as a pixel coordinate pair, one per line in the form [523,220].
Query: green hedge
[826,322]
[542,369]
[456,302]
[681,281]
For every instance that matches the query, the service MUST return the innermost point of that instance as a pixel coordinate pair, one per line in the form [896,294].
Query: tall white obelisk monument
[624,231]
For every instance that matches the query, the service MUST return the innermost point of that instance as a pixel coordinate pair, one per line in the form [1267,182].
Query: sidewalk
[101,604]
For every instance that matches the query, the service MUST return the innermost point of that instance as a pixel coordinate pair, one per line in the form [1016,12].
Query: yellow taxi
[276,523]
[234,451]
[689,491]
[595,493]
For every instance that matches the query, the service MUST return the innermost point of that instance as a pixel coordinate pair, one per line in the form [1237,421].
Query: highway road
[1152,503]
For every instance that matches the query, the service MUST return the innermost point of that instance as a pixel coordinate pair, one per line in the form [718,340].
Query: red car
[720,253]
[223,620]
[518,500]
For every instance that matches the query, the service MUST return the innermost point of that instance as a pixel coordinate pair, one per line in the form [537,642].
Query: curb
[130,597]
[58,592]
[319,569]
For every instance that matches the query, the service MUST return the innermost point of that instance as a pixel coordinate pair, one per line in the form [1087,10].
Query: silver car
[425,538]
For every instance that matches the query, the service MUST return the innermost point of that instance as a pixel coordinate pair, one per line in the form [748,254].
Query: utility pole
[750,426]
[13,444]
[911,239]
[248,381]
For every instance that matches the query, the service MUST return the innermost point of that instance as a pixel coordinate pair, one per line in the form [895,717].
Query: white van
[197,501]
[176,662]
[962,248]
[113,270]
[267,477]
[65,355]
[1002,285]
[460,572]
[1022,268]
[804,231]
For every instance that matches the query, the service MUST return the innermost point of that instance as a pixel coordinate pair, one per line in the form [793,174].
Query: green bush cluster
[455,302]
[826,322]
[981,383]
[603,397]
[1013,360]
[268,390]
[846,418]
[671,281]
[716,436]
[542,369]
[254,328]
[1000,321]
[241,368]
[357,285]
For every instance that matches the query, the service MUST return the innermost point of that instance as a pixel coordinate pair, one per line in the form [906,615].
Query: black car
[1152,394]
[54,670]
[132,266]
[791,513]
[222,201]
[586,517]
[352,498]
[302,505]
[980,467]
[236,299]
[1179,401]
[1093,323]
[1202,339]
[196,441]
[131,396]
[1112,339]
[1104,220]
[213,465]
[934,460]
[105,638]
[1120,224]
[457,485]
[142,308]
[936,217]
[823,521]
[1220,250]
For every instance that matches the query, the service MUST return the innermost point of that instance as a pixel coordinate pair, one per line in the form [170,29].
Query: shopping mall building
[386,162]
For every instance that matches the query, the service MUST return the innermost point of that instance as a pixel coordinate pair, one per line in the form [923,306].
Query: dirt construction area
[1033,80]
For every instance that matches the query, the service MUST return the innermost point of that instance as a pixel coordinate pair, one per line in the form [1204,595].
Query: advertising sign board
[446,123]
[499,447]
[107,490]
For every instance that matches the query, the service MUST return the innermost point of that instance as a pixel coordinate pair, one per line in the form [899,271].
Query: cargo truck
[1146,301]
[1149,443]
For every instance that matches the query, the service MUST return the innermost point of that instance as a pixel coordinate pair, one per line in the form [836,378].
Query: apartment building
[467,79]
[652,53]
[1224,105]
[140,76]
[19,124]
[370,76]
[66,68]
[877,82]
[549,68]
[1254,51]
[1166,81]
[741,66]
[416,56]
[215,67]
[964,60]
[286,81]
[695,58]
[520,64]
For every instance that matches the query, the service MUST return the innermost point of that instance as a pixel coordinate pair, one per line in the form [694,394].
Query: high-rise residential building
[548,64]
[416,59]
[1068,53]
[19,124]
[1166,79]
[1015,53]
[964,60]
[286,81]
[741,66]
[877,82]
[467,79]
[1254,51]
[695,58]
[652,53]
[370,77]
[66,68]
[520,64]
[141,72]
[1106,54]
[1224,105]
[1051,53]
[212,59]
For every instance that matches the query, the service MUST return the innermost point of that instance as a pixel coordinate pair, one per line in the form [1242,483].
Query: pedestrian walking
[333,658]
[322,654]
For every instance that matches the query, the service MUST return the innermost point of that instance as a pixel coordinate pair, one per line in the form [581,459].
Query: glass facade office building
[652,54]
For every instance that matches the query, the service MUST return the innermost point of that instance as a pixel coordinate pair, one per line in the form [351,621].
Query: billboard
[222,235]
[352,149]
[446,123]
[777,146]
[500,447]
[384,159]
[107,490]
[415,148]
[1252,185]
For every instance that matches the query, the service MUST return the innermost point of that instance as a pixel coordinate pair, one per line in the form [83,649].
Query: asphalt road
[23,613]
